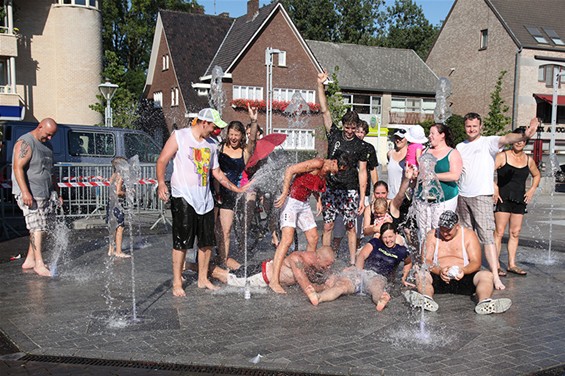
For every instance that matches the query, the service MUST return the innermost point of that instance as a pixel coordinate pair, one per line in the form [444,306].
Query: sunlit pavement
[86,313]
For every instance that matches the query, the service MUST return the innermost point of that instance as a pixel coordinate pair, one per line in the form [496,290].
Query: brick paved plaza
[68,316]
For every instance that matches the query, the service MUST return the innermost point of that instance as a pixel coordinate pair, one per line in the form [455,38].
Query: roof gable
[376,68]
[193,40]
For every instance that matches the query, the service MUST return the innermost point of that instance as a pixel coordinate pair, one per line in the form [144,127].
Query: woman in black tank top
[514,168]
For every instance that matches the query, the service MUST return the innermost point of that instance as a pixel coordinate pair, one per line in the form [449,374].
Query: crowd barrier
[85,191]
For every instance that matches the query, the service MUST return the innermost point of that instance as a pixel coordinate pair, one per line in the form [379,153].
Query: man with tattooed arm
[32,165]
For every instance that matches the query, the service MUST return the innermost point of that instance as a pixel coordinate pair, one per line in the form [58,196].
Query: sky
[435,10]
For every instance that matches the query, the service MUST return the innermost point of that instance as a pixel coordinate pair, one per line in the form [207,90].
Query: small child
[380,215]
[117,195]
[416,137]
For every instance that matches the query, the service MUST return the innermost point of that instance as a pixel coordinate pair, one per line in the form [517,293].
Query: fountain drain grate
[197,369]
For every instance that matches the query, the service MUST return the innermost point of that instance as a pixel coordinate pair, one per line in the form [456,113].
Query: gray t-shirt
[39,169]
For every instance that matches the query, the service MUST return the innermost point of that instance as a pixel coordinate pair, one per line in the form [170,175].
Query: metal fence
[85,190]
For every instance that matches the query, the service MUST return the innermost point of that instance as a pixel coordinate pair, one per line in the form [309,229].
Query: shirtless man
[297,268]
[453,254]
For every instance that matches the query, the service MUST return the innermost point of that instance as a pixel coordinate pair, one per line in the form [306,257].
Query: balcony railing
[408,117]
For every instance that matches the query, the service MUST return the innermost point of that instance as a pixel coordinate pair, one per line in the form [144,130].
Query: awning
[549,98]
[12,113]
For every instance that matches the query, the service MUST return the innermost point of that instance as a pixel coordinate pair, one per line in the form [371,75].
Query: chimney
[224,15]
[252,9]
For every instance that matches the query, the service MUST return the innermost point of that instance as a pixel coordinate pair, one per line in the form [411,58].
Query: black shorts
[188,225]
[229,199]
[510,207]
[464,286]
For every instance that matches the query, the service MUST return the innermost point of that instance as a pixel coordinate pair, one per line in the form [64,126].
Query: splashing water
[217,98]
[295,109]
[553,168]
[61,235]
[442,111]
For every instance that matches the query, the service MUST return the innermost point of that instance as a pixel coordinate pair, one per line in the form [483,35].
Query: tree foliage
[455,123]
[496,121]
[367,22]
[127,36]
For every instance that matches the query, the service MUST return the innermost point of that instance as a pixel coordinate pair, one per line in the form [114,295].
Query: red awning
[549,98]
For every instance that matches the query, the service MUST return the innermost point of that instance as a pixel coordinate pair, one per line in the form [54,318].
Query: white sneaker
[418,300]
[488,306]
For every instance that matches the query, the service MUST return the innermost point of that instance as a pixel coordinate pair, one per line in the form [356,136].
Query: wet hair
[344,159]
[363,124]
[473,116]
[350,117]
[521,131]
[388,226]
[238,126]
[380,203]
[445,130]
[380,183]
[117,160]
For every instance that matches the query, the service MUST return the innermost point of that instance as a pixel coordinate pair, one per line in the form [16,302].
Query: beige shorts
[38,215]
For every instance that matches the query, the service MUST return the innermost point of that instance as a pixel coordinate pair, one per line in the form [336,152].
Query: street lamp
[108,89]
[269,52]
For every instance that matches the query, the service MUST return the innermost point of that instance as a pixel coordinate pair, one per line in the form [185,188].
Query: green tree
[455,123]
[357,20]
[336,104]
[404,25]
[316,19]
[496,121]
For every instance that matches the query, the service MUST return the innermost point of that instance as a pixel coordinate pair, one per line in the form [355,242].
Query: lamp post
[269,52]
[108,89]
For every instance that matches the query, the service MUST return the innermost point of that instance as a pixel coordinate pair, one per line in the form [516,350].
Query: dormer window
[484,39]
[537,35]
[554,37]
[165,62]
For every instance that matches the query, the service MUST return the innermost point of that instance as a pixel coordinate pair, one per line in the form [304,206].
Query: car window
[142,146]
[94,144]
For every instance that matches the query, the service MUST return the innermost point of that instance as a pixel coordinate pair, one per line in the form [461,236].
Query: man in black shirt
[345,192]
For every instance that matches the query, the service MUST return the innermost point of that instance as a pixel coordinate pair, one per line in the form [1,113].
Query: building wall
[299,73]
[164,81]
[59,61]
[476,71]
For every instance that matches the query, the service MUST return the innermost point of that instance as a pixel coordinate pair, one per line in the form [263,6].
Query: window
[165,62]
[158,99]
[142,146]
[174,97]
[4,77]
[282,59]
[282,94]
[88,3]
[363,104]
[554,37]
[537,35]
[547,72]
[484,39]
[298,139]
[94,144]
[418,105]
[247,92]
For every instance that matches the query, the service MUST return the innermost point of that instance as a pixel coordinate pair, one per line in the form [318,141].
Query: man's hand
[361,207]
[27,199]
[322,77]
[163,192]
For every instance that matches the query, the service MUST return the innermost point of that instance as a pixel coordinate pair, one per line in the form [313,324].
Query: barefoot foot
[498,284]
[206,284]
[42,271]
[122,255]
[277,288]
[178,291]
[314,298]
[383,301]
[28,264]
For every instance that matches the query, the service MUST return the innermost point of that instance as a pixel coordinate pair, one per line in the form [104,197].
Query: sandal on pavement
[516,270]
[501,272]
[418,300]
[488,306]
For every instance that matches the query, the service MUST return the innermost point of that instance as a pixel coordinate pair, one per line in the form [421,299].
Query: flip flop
[501,272]
[516,270]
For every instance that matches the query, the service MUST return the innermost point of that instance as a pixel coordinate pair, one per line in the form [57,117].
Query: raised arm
[409,174]
[250,147]
[22,156]
[298,168]
[326,115]
[512,138]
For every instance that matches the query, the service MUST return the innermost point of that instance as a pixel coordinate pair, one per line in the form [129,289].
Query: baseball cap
[212,116]
[448,219]
[400,133]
